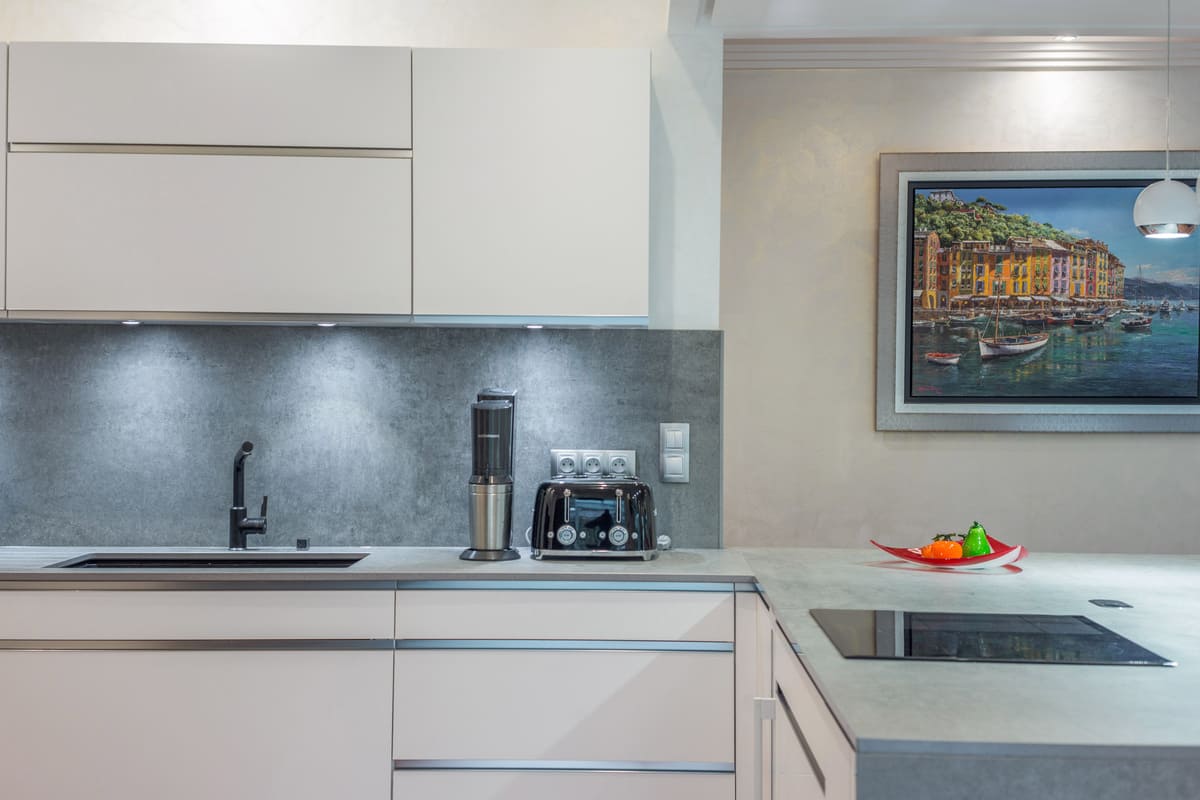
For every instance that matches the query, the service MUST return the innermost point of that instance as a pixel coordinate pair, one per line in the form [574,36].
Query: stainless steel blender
[489,490]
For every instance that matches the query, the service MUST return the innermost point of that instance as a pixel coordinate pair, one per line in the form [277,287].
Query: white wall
[803,462]
[686,117]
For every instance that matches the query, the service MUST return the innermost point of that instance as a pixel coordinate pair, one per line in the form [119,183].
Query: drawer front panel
[818,758]
[179,615]
[504,785]
[564,705]
[537,614]
[195,726]
[188,94]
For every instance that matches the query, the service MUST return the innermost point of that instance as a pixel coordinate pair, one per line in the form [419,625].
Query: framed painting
[1015,294]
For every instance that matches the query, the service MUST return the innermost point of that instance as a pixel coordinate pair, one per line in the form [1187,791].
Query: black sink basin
[214,560]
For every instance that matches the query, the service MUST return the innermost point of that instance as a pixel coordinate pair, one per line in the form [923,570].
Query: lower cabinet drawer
[607,705]
[813,758]
[533,785]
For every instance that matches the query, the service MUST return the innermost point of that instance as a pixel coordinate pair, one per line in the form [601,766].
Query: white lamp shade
[1166,210]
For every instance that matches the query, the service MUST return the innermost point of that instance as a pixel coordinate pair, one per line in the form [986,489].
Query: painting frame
[893,410]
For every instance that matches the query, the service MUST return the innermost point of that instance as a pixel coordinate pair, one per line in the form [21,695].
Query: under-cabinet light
[131,322]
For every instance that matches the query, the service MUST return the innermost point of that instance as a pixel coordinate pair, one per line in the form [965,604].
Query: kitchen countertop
[921,729]
[382,564]
[931,730]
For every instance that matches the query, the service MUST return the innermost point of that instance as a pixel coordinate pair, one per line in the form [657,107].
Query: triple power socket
[593,463]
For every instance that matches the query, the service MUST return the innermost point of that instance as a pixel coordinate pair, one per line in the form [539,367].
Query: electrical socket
[621,463]
[591,463]
[564,462]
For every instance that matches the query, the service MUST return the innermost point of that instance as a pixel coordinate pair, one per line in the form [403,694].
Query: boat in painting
[998,346]
[1089,321]
[945,359]
[1138,323]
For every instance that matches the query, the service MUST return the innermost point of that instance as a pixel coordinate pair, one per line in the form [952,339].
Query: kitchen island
[932,730]
[918,729]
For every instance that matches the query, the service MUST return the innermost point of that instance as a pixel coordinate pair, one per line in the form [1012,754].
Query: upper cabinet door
[3,161]
[249,234]
[182,94]
[531,182]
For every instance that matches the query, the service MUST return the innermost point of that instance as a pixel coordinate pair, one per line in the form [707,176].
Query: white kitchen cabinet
[811,756]
[564,705]
[3,161]
[195,725]
[577,614]
[122,233]
[205,94]
[754,627]
[205,614]
[515,785]
[531,191]
[552,692]
[105,698]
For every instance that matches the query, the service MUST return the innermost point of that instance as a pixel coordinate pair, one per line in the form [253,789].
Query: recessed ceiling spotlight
[326,324]
[131,322]
[1066,37]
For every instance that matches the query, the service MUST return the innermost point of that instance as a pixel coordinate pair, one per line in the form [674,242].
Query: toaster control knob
[566,535]
[617,535]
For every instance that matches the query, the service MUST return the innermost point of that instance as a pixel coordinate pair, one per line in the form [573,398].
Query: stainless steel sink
[250,559]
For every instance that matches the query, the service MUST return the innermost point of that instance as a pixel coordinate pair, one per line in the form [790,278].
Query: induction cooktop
[1012,638]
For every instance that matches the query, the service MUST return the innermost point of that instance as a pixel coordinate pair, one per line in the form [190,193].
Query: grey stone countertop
[381,564]
[924,707]
[885,707]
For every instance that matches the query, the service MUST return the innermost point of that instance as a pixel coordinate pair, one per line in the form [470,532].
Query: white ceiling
[948,18]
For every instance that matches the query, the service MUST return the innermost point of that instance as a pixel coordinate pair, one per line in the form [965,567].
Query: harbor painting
[1045,291]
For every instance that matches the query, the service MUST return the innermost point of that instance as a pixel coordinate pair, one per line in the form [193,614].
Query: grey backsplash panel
[113,435]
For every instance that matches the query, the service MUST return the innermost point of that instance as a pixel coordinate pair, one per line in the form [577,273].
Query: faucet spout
[239,474]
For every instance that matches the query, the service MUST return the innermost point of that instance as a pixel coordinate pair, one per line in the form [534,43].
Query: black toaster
[593,518]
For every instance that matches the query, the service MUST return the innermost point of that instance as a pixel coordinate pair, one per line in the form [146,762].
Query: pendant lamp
[1167,209]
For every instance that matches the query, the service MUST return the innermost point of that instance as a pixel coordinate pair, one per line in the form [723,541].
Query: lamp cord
[1168,98]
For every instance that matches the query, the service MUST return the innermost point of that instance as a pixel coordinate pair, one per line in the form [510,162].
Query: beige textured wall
[685,136]
[803,462]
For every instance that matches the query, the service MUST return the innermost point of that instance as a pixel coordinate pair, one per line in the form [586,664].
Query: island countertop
[1117,731]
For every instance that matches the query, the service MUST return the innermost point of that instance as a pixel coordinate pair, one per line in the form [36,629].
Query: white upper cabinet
[180,233]
[189,180]
[531,182]
[3,161]
[248,95]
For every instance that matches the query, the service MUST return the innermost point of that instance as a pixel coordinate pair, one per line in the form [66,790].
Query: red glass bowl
[1001,554]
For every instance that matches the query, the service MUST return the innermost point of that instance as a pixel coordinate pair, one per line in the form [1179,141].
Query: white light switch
[674,451]
[673,467]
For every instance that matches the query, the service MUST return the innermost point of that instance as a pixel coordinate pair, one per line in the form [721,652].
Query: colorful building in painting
[925,270]
[1116,280]
[1060,268]
[1022,270]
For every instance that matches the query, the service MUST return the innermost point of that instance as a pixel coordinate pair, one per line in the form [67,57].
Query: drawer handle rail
[195,645]
[540,765]
[570,585]
[564,644]
[808,753]
[209,150]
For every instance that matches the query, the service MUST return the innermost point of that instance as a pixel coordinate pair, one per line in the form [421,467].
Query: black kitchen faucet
[239,524]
